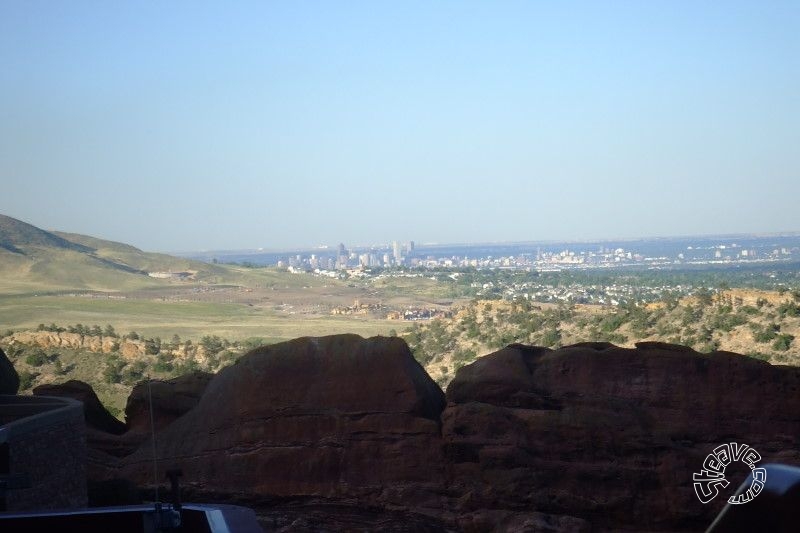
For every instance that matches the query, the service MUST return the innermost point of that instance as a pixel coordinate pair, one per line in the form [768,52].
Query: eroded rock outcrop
[608,434]
[72,341]
[336,417]
[352,432]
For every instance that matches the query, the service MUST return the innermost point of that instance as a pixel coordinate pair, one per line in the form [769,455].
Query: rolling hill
[32,259]
[17,237]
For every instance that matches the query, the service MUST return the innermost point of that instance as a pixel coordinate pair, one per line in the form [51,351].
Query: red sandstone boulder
[105,435]
[171,399]
[608,434]
[94,413]
[349,431]
[9,380]
[337,417]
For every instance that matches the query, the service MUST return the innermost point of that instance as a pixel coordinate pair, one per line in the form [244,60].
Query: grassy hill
[117,253]
[17,236]
[34,261]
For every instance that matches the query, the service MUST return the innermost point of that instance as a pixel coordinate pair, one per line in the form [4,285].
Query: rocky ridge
[351,433]
[127,348]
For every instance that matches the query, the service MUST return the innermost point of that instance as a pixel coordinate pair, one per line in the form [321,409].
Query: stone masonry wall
[53,456]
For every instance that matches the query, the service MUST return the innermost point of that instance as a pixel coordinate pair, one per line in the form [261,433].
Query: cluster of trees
[92,331]
[701,322]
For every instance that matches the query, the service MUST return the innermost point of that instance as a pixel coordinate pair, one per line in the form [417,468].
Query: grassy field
[190,320]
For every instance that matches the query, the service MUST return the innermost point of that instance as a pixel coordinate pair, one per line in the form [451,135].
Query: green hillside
[16,236]
[33,260]
[125,254]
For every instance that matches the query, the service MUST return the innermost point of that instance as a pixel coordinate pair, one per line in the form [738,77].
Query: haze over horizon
[184,126]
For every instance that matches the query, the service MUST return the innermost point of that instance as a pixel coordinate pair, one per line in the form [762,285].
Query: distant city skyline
[182,126]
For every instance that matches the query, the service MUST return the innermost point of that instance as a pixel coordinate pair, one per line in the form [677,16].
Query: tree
[152,346]
[551,337]
[212,344]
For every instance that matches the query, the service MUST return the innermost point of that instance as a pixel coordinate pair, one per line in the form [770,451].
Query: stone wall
[48,447]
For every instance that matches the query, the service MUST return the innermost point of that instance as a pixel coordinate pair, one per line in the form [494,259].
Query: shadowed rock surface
[9,379]
[608,434]
[171,399]
[94,413]
[336,417]
[348,433]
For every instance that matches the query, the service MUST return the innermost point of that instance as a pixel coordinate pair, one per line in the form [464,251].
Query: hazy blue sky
[191,125]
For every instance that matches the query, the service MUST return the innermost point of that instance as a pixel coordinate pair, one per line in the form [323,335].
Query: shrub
[27,379]
[766,334]
[112,373]
[551,338]
[788,309]
[134,373]
[37,358]
[163,364]
[783,342]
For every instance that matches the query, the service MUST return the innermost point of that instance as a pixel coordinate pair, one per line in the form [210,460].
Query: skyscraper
[398,257]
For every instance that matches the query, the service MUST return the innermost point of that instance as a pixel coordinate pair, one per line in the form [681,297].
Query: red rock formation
[348,433]
[9,380]
[95,414]
[336,417]
[608,434]
[171,399]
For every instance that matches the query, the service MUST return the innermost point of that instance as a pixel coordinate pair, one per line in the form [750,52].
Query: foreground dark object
[9,380]
[776,509]
[197,518]
[348,433]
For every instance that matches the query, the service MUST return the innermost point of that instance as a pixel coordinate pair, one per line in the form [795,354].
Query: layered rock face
[336,417]
[127,348]
[348,433]
[609,434]
[74,341]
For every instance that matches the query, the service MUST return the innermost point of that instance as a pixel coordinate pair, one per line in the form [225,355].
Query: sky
[179,126]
